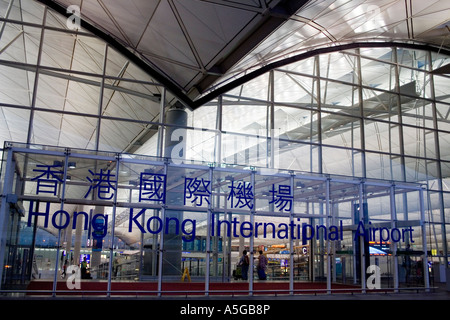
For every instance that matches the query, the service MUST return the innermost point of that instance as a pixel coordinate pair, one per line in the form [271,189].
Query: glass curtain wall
[163,226]
[379,114]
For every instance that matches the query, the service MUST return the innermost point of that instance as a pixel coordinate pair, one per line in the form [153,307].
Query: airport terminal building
[147,144]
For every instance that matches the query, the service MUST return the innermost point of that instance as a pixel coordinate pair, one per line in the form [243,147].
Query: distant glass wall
[378,113]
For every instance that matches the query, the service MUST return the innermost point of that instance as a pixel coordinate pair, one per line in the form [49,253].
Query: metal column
[426,275]
[4,210]
[393,223]
[55,278]
[113,226]
[291,241]
[251,249]
[328,224]
[208,237]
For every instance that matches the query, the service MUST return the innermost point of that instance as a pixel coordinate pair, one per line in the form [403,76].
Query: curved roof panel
[324,23]
[195,46]
[190,43]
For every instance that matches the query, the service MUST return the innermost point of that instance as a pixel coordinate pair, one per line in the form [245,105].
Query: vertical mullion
[439,166]
[36,78]
[113,226]
[161,128]
[100,99]
[55,278]
[393,225]
[361,114]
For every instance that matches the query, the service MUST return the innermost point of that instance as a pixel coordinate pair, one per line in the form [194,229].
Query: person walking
[262,264]
[244,263]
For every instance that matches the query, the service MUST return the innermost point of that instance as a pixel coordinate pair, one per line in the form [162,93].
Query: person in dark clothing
[244,263]
[262,264]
